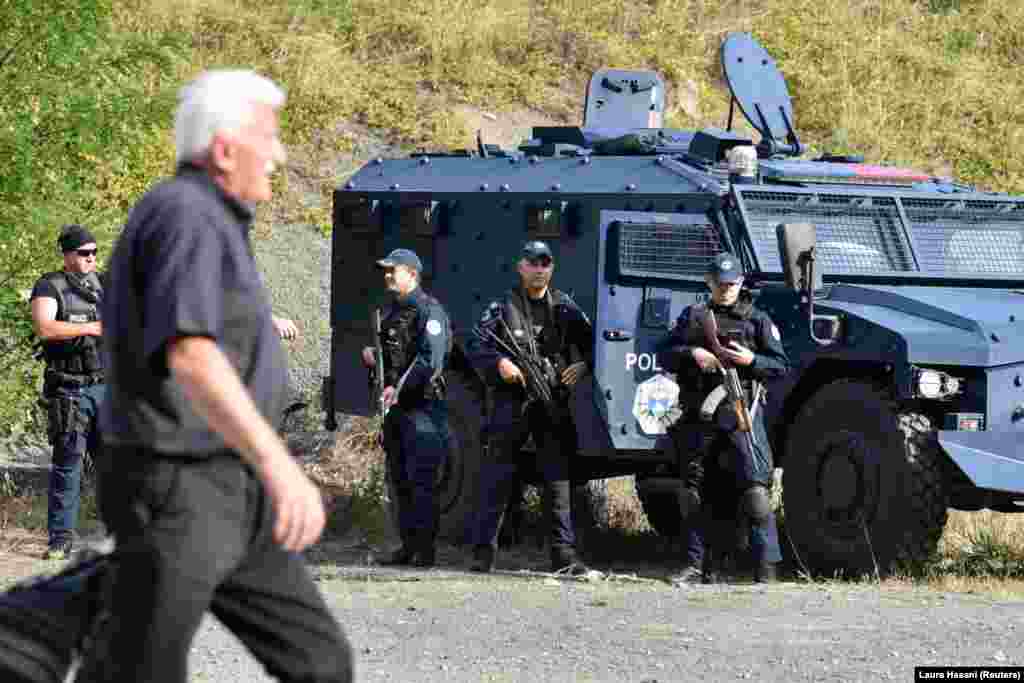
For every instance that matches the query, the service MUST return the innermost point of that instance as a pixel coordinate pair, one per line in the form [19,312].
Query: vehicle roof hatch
[624,99]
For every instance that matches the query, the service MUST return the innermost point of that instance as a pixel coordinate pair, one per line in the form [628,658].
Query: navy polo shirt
[184,267]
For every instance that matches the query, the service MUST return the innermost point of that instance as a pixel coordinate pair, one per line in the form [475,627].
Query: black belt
[67,379]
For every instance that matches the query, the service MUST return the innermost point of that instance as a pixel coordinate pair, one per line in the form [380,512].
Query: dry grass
[931,83]
[983,544]
[624,509]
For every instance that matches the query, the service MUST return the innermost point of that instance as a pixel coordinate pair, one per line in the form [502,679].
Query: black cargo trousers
[196,534]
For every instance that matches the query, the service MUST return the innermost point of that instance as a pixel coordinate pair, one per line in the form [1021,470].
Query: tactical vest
[78,301]
[551,343]
[398,339]
[734,322]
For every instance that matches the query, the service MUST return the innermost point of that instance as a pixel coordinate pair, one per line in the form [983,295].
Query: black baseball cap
[74,236]
[725,268]
[537,249]
[401,257]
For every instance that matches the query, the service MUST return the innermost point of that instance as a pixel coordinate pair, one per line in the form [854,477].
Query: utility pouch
[58,413]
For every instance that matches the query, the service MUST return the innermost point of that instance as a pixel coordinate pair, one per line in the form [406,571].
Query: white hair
[218,101]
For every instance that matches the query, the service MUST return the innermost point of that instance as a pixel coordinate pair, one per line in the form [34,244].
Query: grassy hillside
[88,86]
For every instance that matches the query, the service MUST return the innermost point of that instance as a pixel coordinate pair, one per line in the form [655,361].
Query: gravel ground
[453,626]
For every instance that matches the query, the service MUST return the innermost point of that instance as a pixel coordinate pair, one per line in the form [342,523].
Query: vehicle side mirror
[796,251]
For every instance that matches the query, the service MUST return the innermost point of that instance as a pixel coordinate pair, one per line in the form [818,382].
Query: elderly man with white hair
[208,508]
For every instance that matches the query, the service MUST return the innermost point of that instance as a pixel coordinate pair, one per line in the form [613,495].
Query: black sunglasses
[86,252]
[542,261]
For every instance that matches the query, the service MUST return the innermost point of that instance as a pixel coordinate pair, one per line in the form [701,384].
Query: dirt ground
[521,624]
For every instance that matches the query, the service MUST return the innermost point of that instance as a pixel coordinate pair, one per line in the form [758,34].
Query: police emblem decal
[656,404]
[433,327]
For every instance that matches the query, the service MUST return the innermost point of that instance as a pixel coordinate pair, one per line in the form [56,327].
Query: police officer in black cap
[417,339]
[536,319]
[734,476]
[66,317]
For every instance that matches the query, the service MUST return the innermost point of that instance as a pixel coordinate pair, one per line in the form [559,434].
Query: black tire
[661,509]
[459,479]
[863,483]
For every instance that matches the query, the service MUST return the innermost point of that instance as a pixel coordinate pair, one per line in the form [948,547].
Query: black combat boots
[715,566]
[565,561]
[483,559]
[401,557]
[765,572]
[426,553]
[417,551]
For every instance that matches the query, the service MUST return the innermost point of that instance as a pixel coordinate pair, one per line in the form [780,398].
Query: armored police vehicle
[900,298]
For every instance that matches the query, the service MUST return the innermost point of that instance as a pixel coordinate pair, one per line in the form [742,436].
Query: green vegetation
[88,86]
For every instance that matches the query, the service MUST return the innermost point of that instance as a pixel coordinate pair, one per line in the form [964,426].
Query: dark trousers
[693,537]
[731,469]
[73,417]
[416,441]
[687,440]
[194,535]
[505,467]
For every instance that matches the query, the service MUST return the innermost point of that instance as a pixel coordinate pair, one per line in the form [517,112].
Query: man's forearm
[58,330]
[217,395]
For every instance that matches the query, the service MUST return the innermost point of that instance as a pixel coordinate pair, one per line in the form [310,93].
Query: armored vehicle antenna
[759,89]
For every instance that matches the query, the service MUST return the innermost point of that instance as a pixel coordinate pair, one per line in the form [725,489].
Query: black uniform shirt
[417,337]
[763,339]
[569,327]
[44,288]
[538,315]
[184,267]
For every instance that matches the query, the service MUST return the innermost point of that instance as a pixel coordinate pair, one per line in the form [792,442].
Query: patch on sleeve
[492,312]
[433,327]
[775,333]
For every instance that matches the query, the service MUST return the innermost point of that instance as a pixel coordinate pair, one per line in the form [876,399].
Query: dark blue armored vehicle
[900,298]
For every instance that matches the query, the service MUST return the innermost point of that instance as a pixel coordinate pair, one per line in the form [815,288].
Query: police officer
[416,338]
[736,477]
[66,317]
[547,324]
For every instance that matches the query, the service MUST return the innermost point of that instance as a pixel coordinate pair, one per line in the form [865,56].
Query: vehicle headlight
[935,384]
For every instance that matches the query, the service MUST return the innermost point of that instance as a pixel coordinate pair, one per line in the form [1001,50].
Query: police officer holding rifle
[530,347]
[724,352]
[407,366]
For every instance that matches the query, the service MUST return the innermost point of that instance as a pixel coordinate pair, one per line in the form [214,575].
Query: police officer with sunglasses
[66,318]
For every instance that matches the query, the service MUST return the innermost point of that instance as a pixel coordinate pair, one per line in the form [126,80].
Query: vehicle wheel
[862,483]
[458,479]
[661,509]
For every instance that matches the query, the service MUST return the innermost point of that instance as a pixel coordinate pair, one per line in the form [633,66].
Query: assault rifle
[731,380]
[377,402]
[538,372]
[377,371]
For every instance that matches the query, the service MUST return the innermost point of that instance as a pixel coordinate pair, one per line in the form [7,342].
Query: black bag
[46,621]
